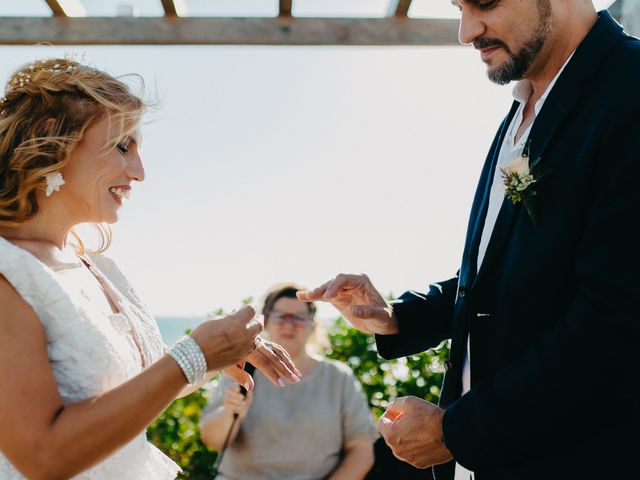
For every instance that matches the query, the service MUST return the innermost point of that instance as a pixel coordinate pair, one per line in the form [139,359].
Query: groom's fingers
[392,415]
[391,426]
[329,290]
[388,429]
[312,295]
[367,312]
[342,281]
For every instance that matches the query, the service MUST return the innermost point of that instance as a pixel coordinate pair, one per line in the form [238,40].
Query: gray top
[296,432]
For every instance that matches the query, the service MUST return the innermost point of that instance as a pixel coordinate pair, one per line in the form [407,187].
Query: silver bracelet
[188,355]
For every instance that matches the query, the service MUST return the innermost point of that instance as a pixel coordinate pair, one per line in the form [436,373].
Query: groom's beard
[518,63]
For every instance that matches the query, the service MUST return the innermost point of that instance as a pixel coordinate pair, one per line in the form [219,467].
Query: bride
[83,369]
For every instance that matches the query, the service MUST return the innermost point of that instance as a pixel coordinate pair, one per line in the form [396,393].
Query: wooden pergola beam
[174,8]
[399,8]
[285,8]
[227,31]
[66,8]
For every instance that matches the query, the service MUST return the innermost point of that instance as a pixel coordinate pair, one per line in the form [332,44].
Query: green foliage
[418,375]
[176,431]
[177,434]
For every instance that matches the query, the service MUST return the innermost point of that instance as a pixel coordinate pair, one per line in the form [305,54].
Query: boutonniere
[521,179]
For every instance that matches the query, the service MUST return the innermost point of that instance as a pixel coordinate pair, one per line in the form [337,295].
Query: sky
[273,164]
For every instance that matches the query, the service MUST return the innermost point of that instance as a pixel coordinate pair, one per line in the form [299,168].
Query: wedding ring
[259,341]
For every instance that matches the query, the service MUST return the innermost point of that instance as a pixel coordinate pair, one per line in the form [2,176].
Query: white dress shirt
[510,150]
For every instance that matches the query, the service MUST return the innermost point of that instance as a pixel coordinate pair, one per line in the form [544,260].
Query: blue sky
[270,164]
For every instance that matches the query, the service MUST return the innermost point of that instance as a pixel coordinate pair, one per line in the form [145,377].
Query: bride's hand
[271,359]
[228,340]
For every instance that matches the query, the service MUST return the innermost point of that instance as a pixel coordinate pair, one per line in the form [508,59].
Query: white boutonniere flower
[517,178]
[54,182]
[520,183]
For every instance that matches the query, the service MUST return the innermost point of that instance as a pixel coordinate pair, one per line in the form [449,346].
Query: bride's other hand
[272,360]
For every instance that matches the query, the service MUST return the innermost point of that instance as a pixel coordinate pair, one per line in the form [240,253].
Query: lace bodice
[90,351]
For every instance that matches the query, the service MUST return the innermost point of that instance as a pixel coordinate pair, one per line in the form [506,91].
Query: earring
[54,182]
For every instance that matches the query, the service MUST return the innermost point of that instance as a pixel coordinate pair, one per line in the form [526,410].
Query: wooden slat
[399,8]
[285,8]
[66,8]
[174,8]
[225,31]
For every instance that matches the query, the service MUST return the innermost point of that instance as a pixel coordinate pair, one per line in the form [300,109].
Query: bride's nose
[135,169]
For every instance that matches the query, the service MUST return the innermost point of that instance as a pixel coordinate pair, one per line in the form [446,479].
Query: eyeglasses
[279,318]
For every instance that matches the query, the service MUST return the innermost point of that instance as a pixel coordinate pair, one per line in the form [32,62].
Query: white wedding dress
[90,351]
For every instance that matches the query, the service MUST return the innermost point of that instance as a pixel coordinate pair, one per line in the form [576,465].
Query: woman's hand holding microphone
[237,403]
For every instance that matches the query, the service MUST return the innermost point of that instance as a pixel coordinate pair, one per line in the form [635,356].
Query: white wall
[631,16]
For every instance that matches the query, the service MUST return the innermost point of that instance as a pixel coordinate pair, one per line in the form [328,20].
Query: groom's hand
[358,301]
[413,429]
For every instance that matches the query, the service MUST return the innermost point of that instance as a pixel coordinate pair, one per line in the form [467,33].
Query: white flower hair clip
[54,182]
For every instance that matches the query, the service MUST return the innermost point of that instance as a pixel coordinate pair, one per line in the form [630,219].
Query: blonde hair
[47,108]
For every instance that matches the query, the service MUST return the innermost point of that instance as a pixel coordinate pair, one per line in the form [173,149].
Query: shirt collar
[523,90]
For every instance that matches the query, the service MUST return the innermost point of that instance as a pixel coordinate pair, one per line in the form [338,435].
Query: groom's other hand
[358,301]
[413,429]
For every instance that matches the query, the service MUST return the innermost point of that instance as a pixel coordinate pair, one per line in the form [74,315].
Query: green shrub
[418,375]
[177,434]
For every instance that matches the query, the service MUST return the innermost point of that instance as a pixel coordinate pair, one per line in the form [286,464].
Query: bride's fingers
[270,364]
[279,359]
[240,376]
[285,358]
[258,360]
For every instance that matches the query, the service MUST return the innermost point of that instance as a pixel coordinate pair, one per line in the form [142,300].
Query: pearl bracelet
[188,355]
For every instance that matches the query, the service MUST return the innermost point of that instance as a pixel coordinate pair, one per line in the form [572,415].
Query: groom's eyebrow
[458,3]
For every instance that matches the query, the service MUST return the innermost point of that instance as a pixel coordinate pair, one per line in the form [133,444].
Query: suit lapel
[559,103]
[551,116]
[481,203]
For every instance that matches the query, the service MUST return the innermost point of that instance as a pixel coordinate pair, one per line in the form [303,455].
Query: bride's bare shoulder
[15,308]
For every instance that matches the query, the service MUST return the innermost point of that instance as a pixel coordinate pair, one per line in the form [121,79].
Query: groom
[544,314]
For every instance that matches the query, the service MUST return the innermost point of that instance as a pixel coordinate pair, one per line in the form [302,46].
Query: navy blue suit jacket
[553,315]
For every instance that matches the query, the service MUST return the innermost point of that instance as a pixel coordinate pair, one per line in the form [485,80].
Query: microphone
[250,369]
